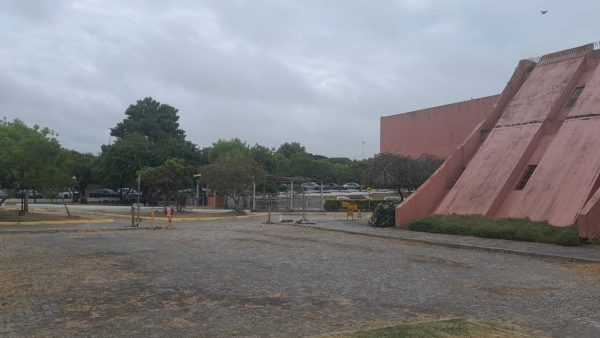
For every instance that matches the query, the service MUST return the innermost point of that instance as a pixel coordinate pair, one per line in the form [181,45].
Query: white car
[64,195]
[311,186]
[351,186]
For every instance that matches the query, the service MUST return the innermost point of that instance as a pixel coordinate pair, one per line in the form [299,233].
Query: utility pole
[363,143]
[139,179]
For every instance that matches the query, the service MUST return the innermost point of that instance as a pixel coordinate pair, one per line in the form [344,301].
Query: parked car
[358,197]
[351,186]
[3,194]
[392,198]
[311,186]
[30,194]
[331,186]
[64,195]
[128,193]
[103,193]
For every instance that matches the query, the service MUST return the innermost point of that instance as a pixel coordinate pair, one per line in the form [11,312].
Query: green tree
[388,170]
[31,158]
[232,175]
[169,177]
[121,161]
[150,118]
[83,167]
[265,157]
[147,137]
[222,147]
[289,149]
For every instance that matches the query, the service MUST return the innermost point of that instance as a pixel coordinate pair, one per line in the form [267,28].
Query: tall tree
[31,158]
[121,161]
[232,175]
[229,147]
[289,149]
[169,177]
[147,137]
[150,118]
[83,168]
[388,170]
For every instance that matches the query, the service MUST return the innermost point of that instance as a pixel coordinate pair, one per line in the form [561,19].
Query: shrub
[384,214]
[519,229]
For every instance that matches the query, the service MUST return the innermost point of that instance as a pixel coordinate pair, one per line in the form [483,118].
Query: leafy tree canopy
[232,175]
[172,175]
[152,119]
[121,161]
[31,158]
[147,137]
[289,149]
[388,170]
[230,147]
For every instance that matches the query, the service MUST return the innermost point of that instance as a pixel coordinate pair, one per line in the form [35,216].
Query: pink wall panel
[437,131]
[543,87]
[562,182]
[495,168]
[484,179]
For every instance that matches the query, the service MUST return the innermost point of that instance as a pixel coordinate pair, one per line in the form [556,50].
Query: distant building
[532,151]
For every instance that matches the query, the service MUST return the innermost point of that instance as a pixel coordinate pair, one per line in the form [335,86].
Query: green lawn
[518,229]
[441,329]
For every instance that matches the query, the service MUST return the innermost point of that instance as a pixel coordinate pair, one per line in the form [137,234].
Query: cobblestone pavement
[542,250]
[227,278]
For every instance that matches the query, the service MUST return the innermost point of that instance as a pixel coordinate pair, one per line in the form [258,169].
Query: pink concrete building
[536,152]
[436,131]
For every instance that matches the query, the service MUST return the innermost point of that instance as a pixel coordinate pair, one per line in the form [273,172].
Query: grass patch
[517,229]
[13,216]
[441,329]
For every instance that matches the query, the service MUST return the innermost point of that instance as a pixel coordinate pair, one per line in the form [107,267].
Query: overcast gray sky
[267,71]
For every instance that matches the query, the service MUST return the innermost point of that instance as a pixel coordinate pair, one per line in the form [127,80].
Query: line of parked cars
[107,195]
[313,186]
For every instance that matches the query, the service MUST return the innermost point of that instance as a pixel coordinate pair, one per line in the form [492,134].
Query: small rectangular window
[575,96]
[526,175]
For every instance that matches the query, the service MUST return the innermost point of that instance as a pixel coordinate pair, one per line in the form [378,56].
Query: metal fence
[289,203]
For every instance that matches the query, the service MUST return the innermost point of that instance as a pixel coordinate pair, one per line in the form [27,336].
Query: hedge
[519,229]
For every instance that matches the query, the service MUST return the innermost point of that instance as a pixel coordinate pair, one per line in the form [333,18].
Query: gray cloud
[317,72]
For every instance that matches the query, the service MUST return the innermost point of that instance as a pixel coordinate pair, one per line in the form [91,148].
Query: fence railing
[566,54]
[285,203]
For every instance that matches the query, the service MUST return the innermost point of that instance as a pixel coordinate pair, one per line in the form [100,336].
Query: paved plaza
[244,278]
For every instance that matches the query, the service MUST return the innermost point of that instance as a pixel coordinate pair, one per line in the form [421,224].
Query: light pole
[363,144]
[197,178]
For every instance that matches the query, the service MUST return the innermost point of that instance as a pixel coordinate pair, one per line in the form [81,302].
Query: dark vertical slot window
[575,96]
[526,176]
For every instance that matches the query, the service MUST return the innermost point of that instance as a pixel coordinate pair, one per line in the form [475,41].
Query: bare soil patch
[34,216]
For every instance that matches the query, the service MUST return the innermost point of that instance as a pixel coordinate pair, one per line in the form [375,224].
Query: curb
[460,246]
[54,231]
[81,221]
[165,219]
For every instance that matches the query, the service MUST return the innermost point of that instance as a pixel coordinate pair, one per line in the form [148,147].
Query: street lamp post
[197,178]
[363,144]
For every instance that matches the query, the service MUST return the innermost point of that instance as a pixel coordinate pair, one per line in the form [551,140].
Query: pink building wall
[429,195]
[436,131]
[534,127]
